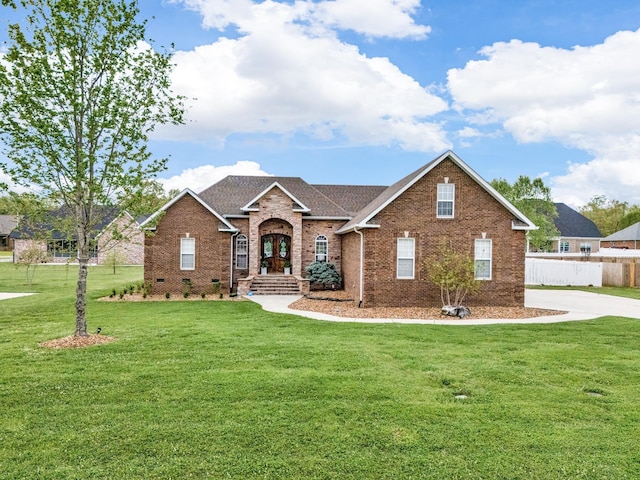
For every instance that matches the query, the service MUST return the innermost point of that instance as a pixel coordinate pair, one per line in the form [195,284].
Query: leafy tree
[606,214]
[30,258]
[21,204]
[454,273]
[630,218]
[323,274]
[153,196]
[114,258]
[533,198]
[81,92]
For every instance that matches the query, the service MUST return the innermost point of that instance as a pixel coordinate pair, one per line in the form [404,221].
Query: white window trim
[321,239]
[564,243]
[452,200]
[183,242]
[476,258]
[244,253]
[412,257]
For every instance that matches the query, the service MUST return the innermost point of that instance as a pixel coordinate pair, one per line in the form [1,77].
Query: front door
[276,250]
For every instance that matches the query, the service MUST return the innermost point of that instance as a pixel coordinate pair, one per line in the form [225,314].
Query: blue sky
[366,91]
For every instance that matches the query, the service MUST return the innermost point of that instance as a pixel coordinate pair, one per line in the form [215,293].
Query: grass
[626,292]
[225,390]
[6,253]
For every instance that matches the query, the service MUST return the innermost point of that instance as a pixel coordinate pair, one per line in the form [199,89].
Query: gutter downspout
[355,229]
[233,236]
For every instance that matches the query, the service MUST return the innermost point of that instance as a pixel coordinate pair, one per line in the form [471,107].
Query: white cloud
[199,178]
[287,72]
[585,97]
[376,18]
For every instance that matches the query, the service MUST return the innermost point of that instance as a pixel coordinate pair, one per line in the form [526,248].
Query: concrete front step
[275,285]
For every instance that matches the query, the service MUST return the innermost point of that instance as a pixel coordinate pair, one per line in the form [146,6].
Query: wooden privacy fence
[562,273]
[620,275]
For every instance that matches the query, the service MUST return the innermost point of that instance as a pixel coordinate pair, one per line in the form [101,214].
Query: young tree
[454,273]
[30,259]
[81,91]
[533,198]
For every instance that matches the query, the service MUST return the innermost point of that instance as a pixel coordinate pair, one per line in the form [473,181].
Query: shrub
[187,286]
[323,274]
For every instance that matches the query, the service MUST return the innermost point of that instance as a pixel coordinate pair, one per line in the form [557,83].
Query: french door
[276,250]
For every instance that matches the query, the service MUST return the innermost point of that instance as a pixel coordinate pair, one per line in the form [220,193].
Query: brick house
[627,238]
[58,247]
[578,234]
[380,238]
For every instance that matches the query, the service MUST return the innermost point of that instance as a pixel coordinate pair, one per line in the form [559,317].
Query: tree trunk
[81,298]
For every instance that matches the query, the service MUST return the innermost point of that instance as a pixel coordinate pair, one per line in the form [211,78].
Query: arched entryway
[275,245]
[275,250]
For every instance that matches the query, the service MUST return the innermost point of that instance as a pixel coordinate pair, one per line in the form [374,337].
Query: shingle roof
[103,214]
[632,232]
[232,193]
[573,224]
[352,198]
[7,224]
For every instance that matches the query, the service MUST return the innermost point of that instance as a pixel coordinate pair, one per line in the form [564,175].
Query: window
[482,264]
[406,257]
[585,248]
[564,247]
[187,254]
[446,195]
[68,248]
[242,252]
[322,248]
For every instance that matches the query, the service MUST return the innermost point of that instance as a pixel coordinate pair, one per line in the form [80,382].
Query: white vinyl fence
[562,273]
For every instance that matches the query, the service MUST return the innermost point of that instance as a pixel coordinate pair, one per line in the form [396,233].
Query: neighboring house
[381,239]
[60,248]
[627,238]
[7,224]
[578,234]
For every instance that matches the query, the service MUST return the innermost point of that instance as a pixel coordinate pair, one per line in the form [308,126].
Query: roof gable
[394,191]
[148,222]
[235,195]
[249,207]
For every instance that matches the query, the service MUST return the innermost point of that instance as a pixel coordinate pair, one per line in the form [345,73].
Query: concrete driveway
[579,305]
[583,305]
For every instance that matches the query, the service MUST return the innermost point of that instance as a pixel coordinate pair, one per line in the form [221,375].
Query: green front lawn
[627,292]
[225,390]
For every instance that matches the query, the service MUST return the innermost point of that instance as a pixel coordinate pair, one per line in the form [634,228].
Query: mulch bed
[138,297]
[339,304]
[78,342]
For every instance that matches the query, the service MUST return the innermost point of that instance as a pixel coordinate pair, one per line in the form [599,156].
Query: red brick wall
[351,264]
[626,244]
[162,250]
[310,230]
[415,212]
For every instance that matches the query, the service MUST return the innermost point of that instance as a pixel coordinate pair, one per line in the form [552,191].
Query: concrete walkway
[579,305]
[7,296]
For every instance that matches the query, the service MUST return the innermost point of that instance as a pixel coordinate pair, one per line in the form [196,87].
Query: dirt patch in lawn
[339,304]
[138,297]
